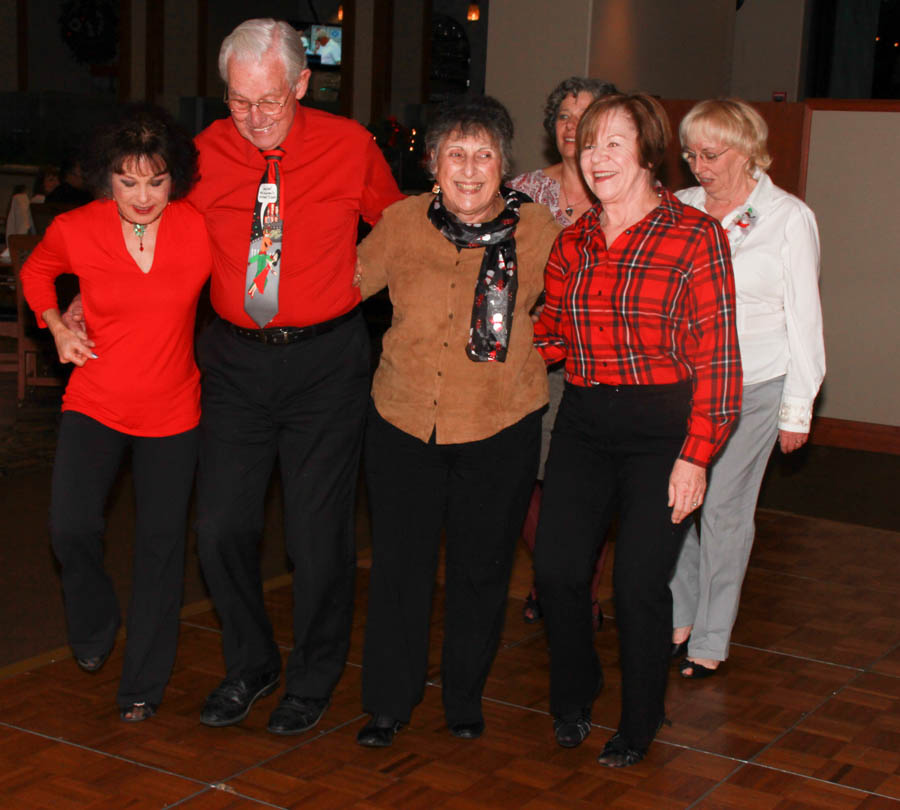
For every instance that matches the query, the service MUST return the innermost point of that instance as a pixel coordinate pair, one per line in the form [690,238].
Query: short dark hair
[470,115]
[572,87]
[646,113]
[142,132]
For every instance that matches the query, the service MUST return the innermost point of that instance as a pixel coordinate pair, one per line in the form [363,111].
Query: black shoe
[680,650]
[94,663]
[468,731]
[137,712]
[617,754]
[294,714]
[571,731]
[531,611]
[230,701]
[379,731]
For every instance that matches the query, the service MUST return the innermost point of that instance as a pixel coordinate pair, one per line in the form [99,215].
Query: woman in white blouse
[775,252]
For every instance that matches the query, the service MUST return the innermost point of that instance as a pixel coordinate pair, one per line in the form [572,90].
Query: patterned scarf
[495,290]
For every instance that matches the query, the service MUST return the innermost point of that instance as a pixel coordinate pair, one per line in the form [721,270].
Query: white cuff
[795,415]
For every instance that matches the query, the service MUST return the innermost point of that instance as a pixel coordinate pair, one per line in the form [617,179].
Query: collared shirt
[655,307]
[775,252]
[425,382]
[332,173]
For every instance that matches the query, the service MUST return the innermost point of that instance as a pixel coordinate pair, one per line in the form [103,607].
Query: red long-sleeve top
[144,381]
[656,306]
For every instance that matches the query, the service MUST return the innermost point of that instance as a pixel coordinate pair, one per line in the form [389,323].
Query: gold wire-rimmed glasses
[242,106]
[705,155]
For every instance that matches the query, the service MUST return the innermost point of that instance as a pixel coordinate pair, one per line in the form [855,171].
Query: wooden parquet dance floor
[806,712]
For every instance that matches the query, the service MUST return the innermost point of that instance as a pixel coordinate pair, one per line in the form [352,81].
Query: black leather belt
[283,335]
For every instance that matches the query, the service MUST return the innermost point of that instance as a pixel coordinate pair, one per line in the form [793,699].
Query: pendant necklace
[139,229]
[569,208]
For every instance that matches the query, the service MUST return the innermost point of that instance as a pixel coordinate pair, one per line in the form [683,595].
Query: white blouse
[775,252]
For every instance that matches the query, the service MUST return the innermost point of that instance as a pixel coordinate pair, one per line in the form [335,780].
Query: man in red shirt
[289,380]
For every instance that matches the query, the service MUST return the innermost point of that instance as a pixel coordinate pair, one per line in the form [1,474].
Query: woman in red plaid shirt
[640,305]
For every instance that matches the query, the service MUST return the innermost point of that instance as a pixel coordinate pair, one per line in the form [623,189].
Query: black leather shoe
[294,714]
[379,731]
[94,663]
[572,731]
[468,731]
[230,701]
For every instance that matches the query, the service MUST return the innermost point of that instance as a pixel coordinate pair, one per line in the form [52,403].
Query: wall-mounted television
[322,43]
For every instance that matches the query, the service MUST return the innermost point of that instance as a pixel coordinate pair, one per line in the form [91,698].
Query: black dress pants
[88,457]
[478,492]
[304,404]
[613,448]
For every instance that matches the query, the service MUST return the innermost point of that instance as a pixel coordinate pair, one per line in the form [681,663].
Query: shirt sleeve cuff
[697,450]
[795,414]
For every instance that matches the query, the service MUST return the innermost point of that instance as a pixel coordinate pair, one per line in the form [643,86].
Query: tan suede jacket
[425,381]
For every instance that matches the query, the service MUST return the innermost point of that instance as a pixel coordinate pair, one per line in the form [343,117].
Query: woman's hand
[687,486]
[357,275]
[70,345]
[789,441]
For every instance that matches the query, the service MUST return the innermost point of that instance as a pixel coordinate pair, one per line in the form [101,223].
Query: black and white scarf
[495,290]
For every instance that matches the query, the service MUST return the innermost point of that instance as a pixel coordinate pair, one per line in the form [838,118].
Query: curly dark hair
[142,131]
[468,116]
[572,87]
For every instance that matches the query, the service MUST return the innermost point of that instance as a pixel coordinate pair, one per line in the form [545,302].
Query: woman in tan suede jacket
[454,426]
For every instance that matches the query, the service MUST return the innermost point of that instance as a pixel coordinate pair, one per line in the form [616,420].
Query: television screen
[325,43]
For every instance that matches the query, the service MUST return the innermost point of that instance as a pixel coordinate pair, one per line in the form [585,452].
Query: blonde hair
[733,123]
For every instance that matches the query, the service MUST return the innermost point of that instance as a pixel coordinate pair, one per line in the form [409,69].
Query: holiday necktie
[264,261]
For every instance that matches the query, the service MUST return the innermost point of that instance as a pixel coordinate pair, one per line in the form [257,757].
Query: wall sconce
[474,13]
[340,14]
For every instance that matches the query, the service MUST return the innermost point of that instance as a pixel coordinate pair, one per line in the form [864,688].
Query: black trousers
[478,492]
[305,405]
[88,457]
[613,449]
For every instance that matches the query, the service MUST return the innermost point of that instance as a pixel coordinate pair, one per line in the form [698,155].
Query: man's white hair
[253,38]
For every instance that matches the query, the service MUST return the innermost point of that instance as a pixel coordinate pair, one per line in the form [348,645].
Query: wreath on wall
[90,29]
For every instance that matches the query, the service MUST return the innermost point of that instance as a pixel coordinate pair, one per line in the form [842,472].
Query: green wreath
[90,28]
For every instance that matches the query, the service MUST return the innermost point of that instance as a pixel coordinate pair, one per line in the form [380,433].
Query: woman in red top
[141,256]
[640,305]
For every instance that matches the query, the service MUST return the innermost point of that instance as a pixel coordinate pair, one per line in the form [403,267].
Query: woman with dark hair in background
[141,255]
[454,425]
[640,306]
[562,188]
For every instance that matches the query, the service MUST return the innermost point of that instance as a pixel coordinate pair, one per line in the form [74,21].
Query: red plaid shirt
[656,307]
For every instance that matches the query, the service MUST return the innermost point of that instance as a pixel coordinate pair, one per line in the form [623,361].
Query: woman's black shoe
[531,612]
[468,731]
[680,650]
[617,754]
[94,663]
[572,731]
[379,731]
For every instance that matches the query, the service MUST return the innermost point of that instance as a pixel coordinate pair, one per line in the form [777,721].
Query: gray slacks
[706,585]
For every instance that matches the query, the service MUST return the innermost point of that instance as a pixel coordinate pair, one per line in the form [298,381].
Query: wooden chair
[28,348]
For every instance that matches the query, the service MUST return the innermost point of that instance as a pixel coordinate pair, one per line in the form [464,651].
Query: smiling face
[141,190]
[264,80]
[469,169]
[570,112]
[724,178]
[611,161]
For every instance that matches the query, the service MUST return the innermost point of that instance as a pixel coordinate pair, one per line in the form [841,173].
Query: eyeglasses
[708,157]
[241,106]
